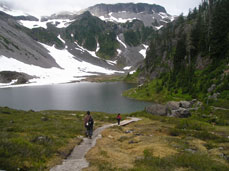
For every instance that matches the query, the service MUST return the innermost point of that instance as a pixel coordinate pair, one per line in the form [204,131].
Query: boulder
[194,101]
[157,109]
[172,105]
[213,86]
[214,96]
[172,109]
[185,104]
[141,80]
[181,113]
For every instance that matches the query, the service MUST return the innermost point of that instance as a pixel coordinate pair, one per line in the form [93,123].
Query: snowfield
[71,69]
[114,19]
[60,23]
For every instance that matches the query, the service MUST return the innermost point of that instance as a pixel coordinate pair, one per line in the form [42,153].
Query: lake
[102,97]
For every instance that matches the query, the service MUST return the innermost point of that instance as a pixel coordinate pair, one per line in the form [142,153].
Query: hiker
[119,118]
[88,123]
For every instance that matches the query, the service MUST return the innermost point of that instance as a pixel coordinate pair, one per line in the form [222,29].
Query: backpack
[90,122]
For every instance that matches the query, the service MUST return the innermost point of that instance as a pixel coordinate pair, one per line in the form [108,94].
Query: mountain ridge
[112,45]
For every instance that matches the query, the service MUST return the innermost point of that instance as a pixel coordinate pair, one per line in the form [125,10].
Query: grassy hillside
[38,140]
[161,143]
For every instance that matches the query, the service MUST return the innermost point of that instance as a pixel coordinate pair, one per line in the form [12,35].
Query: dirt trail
[76,161]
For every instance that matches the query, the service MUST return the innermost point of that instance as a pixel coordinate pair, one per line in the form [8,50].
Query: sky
[48,7]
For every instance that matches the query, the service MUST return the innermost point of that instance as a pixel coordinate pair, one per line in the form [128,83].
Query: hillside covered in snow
[103,39]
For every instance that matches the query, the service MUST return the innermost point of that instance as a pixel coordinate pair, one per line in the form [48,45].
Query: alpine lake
[83,96]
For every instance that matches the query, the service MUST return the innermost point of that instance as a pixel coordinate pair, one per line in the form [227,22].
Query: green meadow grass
[150,92]
[39,140]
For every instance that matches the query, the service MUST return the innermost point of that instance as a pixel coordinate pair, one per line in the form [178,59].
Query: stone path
[76,161]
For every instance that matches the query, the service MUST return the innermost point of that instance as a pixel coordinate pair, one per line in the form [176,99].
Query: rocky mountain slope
[80,37]
[17,44]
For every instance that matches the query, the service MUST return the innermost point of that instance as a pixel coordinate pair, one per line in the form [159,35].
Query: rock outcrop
[157,109]
[179,109]
[9,76]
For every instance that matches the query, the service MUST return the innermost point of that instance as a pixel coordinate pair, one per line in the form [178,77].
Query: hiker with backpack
[88,123]
[119,118]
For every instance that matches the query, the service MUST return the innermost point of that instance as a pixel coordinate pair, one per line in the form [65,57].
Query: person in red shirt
[119,118]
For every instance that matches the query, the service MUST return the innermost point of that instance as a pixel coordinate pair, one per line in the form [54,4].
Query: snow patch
[163,15]
[62,40]
[172,18]
[164,21]
[143,51]
[103,18]
[8,84]
[114,19]
[132,72]
[127,67]
[97,47]
[60,23]
[166,16]
[82,49]
[121,42]
[111,62]
[159,27]
[119,51]
[33,24]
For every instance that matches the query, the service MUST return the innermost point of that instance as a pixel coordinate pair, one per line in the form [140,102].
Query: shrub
[193,125]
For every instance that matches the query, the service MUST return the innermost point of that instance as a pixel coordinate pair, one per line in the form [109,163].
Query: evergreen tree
[220,30]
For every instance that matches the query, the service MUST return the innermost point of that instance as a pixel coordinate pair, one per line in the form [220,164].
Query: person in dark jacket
[88,123]
[119,118]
